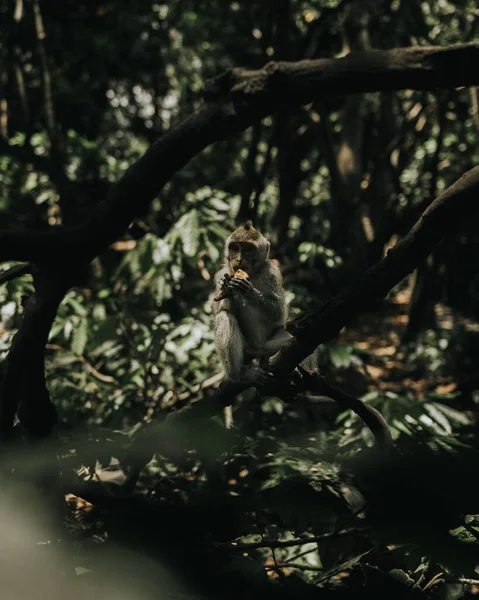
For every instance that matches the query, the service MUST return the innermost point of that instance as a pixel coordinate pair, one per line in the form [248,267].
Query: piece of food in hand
[239,274]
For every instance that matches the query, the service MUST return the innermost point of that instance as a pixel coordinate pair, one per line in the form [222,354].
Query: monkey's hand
[225,284]
[225,290]
[242,286]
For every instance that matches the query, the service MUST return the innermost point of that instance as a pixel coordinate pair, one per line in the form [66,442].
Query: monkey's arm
[228,339]
[268,297]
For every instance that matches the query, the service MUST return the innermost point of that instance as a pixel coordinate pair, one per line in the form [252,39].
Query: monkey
[249,320]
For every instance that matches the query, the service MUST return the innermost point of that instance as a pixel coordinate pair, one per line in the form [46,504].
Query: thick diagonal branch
[14,272]
[441,218]
[419,68]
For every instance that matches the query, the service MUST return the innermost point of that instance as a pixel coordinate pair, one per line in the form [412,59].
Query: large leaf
[213,251]
[80,337]
[189,233]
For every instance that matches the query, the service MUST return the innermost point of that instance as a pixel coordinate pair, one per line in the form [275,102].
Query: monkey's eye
[234,248]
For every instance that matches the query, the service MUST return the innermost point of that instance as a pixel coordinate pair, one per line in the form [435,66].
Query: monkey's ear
[268,247]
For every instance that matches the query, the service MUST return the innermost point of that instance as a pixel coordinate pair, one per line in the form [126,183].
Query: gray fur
[252,323]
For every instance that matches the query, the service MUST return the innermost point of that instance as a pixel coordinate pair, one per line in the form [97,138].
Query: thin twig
[293,566]
[89,367]
[303,553]
[289,543]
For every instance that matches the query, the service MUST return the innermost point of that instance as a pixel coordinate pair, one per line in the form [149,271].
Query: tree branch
[442,217]
[419,68]
[291,392]
[14,272]
[237,99]
[24,381]
[371,417]
[55,246]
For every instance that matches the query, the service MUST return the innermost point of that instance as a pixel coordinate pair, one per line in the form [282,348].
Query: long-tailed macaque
[249,320]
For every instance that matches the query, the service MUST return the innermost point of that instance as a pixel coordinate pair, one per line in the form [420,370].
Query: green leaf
[452,413]
[340,355]
[402,427]
[401,576]
[106,330]
[80,337]
[77,307]
[372,395]
[189,233]
[145,258]
[56,329]
[439,417]
[218,204]
[219,231]
[212,250]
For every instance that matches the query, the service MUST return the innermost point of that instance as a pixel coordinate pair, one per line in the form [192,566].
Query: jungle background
[117,502]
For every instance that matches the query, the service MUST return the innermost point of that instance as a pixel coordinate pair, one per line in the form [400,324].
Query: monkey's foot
[257,377]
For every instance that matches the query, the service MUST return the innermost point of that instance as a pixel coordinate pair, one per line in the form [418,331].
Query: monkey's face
[245,256]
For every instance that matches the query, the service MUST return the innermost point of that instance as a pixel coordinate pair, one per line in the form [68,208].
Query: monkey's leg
[277,341]
[272,345]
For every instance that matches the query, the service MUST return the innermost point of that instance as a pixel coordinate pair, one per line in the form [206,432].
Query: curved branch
[371,417]
[442,217]
[24,379]
[56,246]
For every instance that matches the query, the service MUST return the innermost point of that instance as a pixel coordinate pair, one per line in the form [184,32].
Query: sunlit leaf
[80,337]
[189,232]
